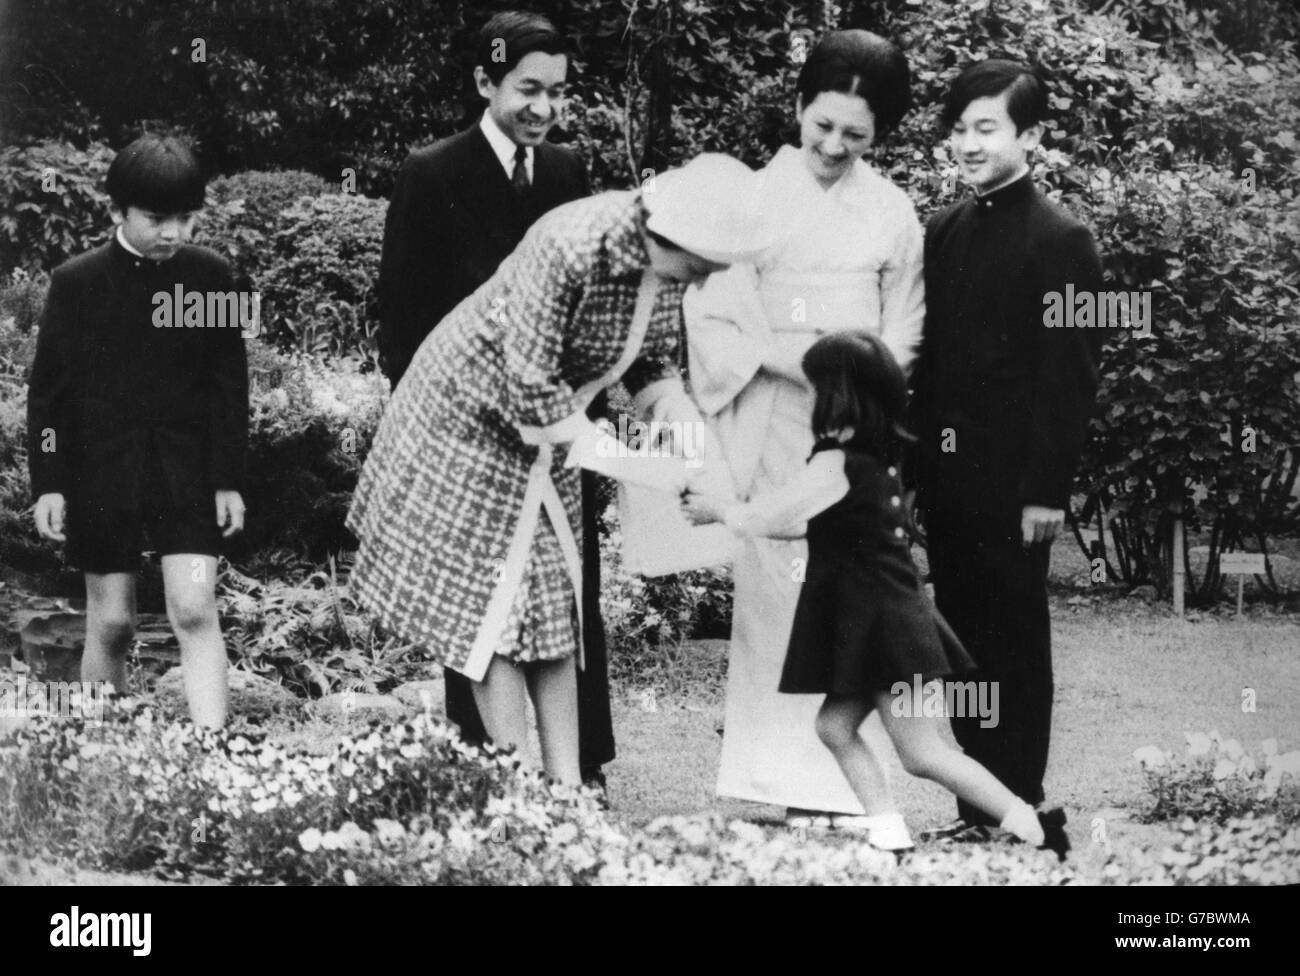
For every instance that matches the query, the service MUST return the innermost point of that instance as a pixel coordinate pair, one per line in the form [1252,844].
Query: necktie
[519,179]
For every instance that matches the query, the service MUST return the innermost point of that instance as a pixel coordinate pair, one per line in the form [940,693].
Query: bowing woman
[469,520]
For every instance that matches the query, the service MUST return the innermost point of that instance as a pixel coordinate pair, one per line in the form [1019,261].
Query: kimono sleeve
[50,393]
[726,335]
[902,292]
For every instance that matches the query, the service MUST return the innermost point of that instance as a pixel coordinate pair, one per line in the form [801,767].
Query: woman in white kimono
[848,257]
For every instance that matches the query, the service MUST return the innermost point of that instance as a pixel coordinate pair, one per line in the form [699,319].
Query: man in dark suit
[1001,407]
[458,209]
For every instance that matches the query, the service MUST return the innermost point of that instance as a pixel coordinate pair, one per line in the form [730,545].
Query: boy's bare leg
[190,583]
[110,625]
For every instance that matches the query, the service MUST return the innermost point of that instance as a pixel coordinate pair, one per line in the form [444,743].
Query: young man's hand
[1040,524]
[230,513]
[49,516]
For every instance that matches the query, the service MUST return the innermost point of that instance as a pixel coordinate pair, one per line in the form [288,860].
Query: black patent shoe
[958,831]
[1054,839]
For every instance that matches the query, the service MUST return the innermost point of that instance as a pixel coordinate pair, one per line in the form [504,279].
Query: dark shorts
[108,538]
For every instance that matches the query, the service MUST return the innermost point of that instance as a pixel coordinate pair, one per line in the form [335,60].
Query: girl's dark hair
[858,62]
[512,35]
[1026,89]
[156,173]
[858,383]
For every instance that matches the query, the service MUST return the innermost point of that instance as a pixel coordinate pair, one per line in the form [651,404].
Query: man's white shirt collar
[504,147]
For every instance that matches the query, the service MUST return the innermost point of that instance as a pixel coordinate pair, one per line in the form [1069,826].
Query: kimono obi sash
[819,303]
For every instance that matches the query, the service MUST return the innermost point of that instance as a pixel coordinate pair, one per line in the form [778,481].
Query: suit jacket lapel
[488,193]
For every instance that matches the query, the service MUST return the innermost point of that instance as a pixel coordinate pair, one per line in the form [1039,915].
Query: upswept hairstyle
[156,173]
[510,36]
[1026,89]
[858,62]
[858,383]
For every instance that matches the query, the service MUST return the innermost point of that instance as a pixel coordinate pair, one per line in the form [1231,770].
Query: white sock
[888,831]
[1022,821]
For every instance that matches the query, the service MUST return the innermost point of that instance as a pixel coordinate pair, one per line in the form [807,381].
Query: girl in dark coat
[865,634]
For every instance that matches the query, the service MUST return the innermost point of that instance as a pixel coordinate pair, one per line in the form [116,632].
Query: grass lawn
[1127,675]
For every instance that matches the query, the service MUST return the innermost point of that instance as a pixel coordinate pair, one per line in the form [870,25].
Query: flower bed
[409,803]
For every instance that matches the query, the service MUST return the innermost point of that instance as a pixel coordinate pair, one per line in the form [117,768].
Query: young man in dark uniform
[1002,403]
[458,209]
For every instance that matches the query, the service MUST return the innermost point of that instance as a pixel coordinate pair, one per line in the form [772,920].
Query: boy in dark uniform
[137,418]
[459,208]
[1002,404]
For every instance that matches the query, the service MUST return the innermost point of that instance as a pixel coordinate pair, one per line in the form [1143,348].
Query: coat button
[899,532]
[896,501]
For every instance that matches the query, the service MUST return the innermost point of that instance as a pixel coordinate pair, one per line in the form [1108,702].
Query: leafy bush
[267,194]
[318,288]
[245,211]
[310,637]
[20,547]
[22,298]
[1218,780]
[642,611]
[310,428]
[55,205]
[1249,850]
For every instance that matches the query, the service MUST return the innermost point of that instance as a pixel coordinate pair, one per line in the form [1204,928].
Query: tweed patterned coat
[461,507]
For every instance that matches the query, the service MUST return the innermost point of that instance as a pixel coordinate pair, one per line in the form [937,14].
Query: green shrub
[246,211]
[55,207]
[22,298]
[311,637]
[1252,850]
[318,288]
[20,546]
[310,428]
[1218,780]
[642,613]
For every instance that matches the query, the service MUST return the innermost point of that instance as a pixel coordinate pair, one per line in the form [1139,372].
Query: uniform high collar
[1009,195]
[131,258]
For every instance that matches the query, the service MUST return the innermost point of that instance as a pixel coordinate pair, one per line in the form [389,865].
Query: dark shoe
[958,831]
[594,779]
[1054,838]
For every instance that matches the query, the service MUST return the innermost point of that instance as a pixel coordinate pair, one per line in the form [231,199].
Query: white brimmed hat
[710,207]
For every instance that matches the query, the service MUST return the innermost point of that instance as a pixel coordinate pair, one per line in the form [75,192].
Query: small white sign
[1241,562]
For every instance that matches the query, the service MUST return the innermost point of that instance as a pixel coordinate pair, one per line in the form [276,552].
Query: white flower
[389,831]
[350,878]
[310,840]
[1287,764]
[1268,747]
[1231,748]
[1151,757]
[1224,768]
[1199,744]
